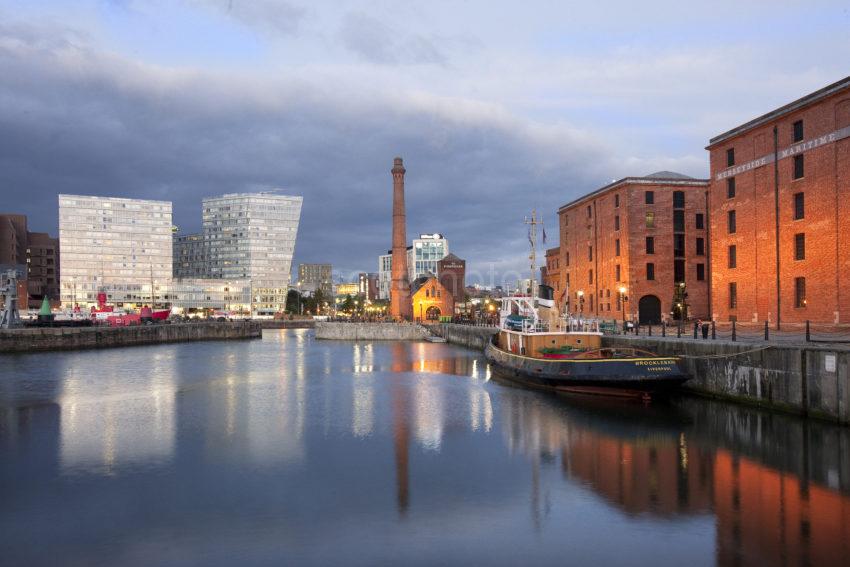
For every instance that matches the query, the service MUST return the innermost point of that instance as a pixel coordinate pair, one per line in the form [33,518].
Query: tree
[293,301]
[347,304]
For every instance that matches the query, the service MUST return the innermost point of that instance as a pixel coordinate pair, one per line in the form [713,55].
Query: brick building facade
[627,248]
[794,161]
[430,300]
[452,274]
[550,274]
[35,255]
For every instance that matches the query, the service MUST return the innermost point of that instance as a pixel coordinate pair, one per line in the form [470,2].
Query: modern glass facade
[121,246]
[424,253]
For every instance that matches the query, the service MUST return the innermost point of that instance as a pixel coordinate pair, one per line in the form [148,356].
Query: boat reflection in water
[290,450]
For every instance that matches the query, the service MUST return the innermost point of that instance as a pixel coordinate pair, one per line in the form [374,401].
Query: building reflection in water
[115,416]
[654,464]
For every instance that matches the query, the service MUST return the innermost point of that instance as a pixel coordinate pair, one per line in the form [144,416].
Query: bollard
[734,335]
[695,329]
[766,331]
[713,330]
[679,331]
[663,328]
[650,330]
[808,332]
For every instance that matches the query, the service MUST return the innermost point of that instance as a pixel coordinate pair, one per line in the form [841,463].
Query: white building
[122,246]
[385,275]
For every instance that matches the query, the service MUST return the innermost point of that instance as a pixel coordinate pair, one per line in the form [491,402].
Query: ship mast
[532,239]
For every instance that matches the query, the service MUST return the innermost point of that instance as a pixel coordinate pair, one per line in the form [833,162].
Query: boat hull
[624,376]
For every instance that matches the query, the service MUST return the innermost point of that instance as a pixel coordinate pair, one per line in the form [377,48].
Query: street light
[623,301]
[580,294]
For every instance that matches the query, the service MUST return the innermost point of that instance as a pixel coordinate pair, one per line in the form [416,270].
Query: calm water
[294,451]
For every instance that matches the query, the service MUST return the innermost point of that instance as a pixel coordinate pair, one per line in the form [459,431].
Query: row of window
[799,293]
[796,134]
[799,213]
[799,250]
[649,199]
[798,172]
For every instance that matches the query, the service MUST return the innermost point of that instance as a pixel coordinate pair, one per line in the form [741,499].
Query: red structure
[452,271]
[627,248]
[780,213]
[400,306]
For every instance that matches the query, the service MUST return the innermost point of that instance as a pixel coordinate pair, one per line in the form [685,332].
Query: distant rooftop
[668,175]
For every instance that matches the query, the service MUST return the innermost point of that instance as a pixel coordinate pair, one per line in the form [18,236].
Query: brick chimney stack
[400,307]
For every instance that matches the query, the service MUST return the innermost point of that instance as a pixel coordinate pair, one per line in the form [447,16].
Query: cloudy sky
[496,107]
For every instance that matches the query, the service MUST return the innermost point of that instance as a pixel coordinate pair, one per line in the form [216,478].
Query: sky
[497,107]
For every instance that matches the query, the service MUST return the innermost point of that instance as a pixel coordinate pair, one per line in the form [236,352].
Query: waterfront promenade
[71,338]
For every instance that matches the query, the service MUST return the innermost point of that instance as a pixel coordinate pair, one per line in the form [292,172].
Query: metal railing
[737,331]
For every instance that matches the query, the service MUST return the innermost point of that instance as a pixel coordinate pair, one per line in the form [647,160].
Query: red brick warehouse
[636,249]
[780,215]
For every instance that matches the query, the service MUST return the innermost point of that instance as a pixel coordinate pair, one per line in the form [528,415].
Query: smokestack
[400,307]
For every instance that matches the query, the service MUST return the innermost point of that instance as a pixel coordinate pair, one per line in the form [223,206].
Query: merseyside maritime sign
[787,152]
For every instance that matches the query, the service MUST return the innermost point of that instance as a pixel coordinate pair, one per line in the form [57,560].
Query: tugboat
[537,347]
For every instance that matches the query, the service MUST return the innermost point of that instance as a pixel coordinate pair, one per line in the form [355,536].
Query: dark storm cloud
[75,120]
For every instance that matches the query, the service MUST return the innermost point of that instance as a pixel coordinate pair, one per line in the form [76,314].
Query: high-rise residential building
[315,277]
[190,256]
[120,246]
[251,236]
[780,213]
[636,249]
[385,274]
[424,254]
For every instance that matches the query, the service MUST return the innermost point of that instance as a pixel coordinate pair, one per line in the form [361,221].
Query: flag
[544,235]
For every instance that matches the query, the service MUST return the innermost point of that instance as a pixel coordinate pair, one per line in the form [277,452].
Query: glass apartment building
[120,246]
[424,253]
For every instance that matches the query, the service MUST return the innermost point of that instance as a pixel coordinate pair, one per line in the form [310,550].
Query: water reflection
[385,447]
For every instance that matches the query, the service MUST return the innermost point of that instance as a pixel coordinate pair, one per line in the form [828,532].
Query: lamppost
[298,284]
[623,300]
[580,302]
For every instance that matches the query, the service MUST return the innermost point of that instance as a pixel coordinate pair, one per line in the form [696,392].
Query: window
[649,197]
[617,247]
[617,271]
[700,247]
[678,271]
[568,279]
[700,222]
[617,222]
[730,187]
[799,292]
[679,221]
[733,256]
[650,271]
[566,220]
[590,253]
[617,200]
[568,258]
[590,276]
[730,157]
[799,206]
[650,245]
[800,246]
[589,214]
[679,245]
[733,295]
[730,222]
[799,169]
[700,272]
[650,220]
[678,199]
[798,131]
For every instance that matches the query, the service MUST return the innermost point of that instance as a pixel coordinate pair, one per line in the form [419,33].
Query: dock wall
[465,335]
[370,331]
[69,338]
[803,379]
